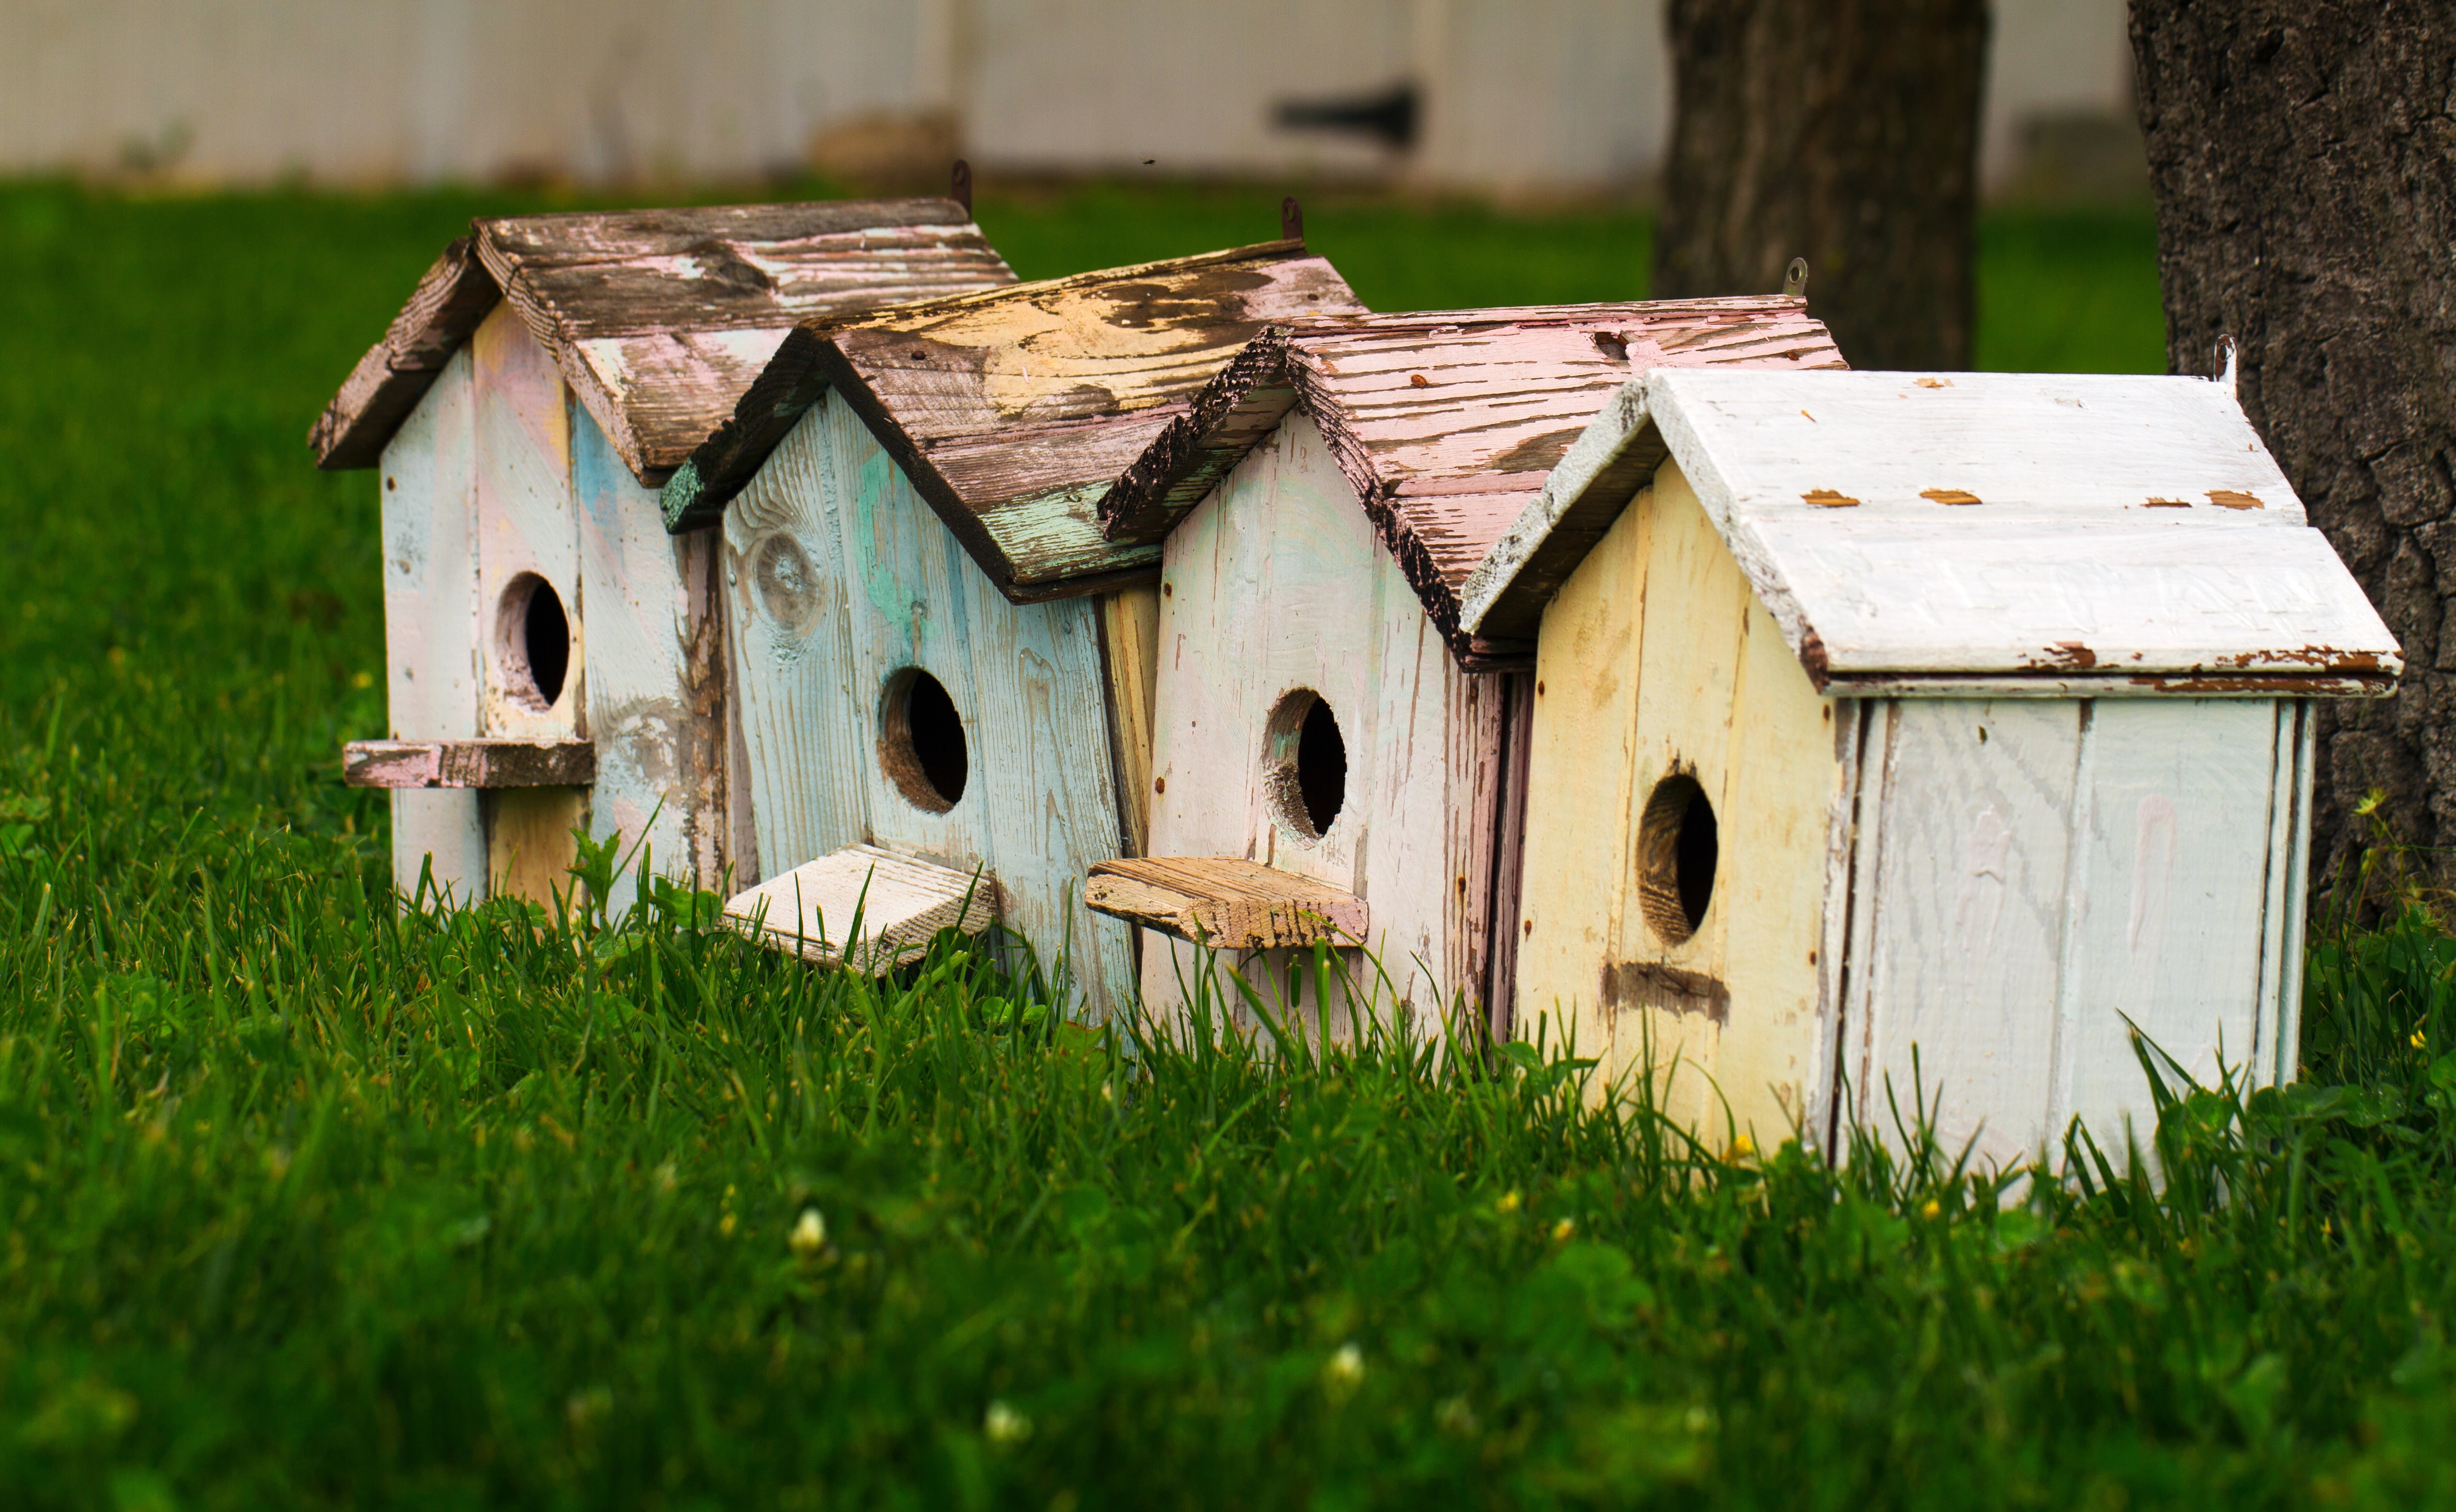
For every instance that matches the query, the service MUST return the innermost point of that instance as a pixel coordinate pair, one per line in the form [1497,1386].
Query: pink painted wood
[414,763]
[1446,423]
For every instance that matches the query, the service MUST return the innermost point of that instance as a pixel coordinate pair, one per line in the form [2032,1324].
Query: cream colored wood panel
[1776,820]
[1580,775]
[1694,611]
[1966,908]
[430,576]
[2168,907]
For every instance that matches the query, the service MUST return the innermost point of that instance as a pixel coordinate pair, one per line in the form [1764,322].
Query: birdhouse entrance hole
[1677,845]
[1307,765]
[921,740]
[535,642]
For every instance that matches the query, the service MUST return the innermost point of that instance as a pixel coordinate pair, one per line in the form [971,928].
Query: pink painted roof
[1446,423]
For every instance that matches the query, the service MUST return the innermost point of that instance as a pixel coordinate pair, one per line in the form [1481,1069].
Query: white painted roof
[2085,533]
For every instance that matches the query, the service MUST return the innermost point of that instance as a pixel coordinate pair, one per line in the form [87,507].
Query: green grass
[303,1202]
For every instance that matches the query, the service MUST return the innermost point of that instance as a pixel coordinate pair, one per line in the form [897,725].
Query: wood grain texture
[1445,423]
[414,763]
[658,320]
[1226,902]
[1281,563]
[430,585]
[526,526]
[1130,652]
[655,672]
[2128,532]
[838,578]
[529,842]
[866,908]
[1013,409]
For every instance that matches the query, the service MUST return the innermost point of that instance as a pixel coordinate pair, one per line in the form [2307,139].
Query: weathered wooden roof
[658,318]
[1013,410]
[1446,423]
[2006,532]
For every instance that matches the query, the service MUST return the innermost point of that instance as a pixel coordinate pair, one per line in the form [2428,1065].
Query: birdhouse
[936,652]
[1338,760]
[552,657]
[1911,740]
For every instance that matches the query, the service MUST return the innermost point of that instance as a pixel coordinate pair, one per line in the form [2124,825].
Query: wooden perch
[469,764]
[1224,902]
[903,903]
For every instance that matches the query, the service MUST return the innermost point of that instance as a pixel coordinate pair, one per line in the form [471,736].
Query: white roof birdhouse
[1940,727]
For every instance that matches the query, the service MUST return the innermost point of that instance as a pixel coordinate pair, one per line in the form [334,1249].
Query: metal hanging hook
[1794,279]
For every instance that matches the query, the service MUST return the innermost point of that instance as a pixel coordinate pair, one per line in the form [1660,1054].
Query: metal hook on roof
[1291,219]
[2225,362]
[1794,279]
[960,185]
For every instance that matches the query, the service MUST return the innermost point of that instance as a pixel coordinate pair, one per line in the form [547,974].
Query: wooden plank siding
[431,637]
[524,528]
[655,686]
[658,320]
[1276,584]
[838,578]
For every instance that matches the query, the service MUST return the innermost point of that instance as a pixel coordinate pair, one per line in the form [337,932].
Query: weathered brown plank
[450,299]
[1012,410]
[1225,903]
[481,762]
[658,319]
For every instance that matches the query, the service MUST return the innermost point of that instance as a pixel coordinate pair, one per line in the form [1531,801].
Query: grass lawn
[303,1202]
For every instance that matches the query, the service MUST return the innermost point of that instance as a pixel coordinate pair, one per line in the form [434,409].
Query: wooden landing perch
[469,764]
[903,904]
[1225,903]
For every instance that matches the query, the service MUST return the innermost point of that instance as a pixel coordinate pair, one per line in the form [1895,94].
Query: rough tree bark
[1845,131]
[2305,163]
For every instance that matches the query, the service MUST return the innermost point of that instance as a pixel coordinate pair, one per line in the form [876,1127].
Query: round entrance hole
[921,740]
[534,642]
[1307,765]
[1678,843]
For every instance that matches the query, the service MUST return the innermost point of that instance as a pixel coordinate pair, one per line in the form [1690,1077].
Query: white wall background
[1519,95]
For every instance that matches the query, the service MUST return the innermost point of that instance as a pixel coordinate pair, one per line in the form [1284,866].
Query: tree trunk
[1845,131]
[2304,164]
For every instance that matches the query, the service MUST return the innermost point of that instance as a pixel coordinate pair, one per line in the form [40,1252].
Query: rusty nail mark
[1948,496]
[1932,383]
[1417,380]
[2233,498]
[2154,503]
[1160,785]
[1826,498]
